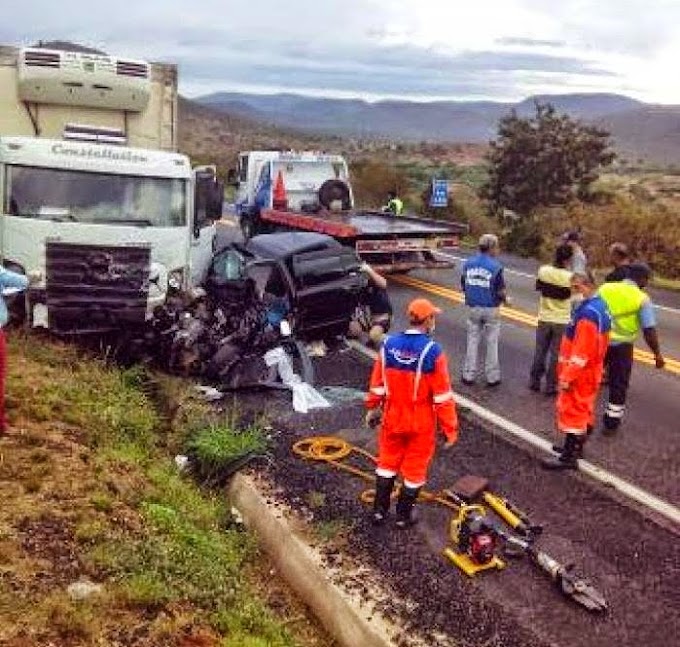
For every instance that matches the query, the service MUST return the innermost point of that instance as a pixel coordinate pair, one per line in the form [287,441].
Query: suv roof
[277,246]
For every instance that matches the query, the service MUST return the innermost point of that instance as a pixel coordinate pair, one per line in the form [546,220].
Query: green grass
[102,401]
[102,502]
[215,447]
[182,549]
[333,529]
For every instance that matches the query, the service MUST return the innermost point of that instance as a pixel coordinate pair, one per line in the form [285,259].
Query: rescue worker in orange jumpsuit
[411,390]
[579,370]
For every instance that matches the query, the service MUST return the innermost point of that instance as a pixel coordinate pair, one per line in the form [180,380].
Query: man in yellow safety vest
[394,205]
[631,310]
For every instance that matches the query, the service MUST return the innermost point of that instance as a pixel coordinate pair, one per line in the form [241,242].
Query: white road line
[675,311]
[506,269]
[668,510]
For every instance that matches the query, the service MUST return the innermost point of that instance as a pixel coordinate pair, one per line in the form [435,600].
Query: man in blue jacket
[484,288]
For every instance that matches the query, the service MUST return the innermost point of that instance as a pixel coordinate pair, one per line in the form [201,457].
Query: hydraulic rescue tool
[478,536]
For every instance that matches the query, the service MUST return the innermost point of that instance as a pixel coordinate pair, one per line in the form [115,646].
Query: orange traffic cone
[280,199]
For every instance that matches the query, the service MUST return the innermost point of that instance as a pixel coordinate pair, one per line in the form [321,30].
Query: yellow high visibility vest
[396,206]
[624,301]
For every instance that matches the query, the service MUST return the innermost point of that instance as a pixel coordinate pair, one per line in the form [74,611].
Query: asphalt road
[632,559]
[646,449]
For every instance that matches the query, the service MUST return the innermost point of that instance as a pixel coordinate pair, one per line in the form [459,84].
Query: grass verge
[91,493]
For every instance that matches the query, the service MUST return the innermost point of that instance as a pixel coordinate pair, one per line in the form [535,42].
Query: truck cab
[310,181]
[95,199]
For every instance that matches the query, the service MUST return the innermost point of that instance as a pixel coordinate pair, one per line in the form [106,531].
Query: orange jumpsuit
[582,351]
[410,380]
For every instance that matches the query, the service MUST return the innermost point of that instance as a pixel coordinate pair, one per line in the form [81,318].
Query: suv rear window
[322,266]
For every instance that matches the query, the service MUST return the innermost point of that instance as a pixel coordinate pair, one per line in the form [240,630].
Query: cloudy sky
[418,49]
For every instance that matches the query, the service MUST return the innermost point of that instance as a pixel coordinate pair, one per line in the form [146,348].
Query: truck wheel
[334,191]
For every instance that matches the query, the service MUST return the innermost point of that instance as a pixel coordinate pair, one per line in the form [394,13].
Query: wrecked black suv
[309,280]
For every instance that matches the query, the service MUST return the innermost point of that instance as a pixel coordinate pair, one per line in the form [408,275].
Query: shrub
[651,232]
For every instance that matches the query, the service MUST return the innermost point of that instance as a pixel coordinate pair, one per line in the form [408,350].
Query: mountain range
[639,131]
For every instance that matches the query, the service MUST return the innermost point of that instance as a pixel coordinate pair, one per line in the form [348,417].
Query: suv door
[208,199]
[328,283]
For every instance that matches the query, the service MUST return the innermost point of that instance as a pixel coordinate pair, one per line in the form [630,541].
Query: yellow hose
[332,450]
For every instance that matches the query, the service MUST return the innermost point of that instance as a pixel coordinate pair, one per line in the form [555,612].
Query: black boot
[589,430]
[383,494]
[569,454]
[407,497]
[610,426]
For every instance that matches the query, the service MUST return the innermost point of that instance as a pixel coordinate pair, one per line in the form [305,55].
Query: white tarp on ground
[305,396]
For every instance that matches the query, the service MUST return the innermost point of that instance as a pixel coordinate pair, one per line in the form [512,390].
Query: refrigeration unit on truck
[309,191]
[96,202]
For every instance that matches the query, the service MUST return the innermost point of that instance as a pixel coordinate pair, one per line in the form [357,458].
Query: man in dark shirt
[620,260]
[377,300]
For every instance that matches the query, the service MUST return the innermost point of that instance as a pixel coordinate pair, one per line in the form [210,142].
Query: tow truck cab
[305,173]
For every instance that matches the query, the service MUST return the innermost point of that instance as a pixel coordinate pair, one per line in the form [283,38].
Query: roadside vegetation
[93,497]
[545,175]
[541,176]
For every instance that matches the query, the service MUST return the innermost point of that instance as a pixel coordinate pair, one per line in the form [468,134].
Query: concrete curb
[344,621]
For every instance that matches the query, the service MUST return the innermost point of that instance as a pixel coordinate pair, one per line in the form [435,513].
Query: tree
[372,179]
[547,160]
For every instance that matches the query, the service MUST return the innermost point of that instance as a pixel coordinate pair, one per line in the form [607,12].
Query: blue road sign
[440,193]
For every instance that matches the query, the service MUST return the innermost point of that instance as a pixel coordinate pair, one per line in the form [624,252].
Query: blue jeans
[546,352]
[482,322]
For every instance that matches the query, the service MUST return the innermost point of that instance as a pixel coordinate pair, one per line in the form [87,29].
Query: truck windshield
[78,196]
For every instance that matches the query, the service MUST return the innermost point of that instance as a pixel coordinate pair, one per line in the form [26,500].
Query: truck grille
[96,288]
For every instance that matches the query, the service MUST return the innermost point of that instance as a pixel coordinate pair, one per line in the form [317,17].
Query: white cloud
[501,49]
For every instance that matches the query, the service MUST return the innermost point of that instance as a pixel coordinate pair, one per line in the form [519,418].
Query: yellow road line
[643,356]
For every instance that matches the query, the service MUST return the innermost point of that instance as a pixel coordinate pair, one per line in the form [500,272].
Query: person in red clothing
[10,283]
[579,370]
[411,390]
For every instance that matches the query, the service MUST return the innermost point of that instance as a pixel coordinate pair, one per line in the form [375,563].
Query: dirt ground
[633,561]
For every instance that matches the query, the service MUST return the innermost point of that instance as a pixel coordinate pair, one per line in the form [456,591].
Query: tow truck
[311,191]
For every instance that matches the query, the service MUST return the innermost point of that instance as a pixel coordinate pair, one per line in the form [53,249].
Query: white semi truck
[96,203]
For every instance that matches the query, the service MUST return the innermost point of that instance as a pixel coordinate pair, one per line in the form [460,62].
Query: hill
[639,131]
[211,135]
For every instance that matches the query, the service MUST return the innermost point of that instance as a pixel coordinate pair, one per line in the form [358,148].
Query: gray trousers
[482,322]
[548,337]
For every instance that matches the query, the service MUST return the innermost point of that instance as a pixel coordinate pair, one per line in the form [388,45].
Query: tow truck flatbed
[389,243]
